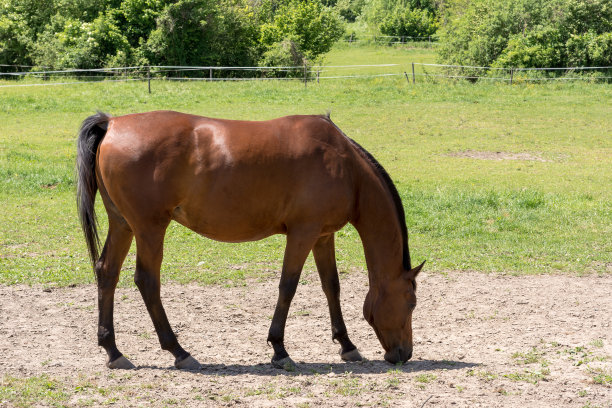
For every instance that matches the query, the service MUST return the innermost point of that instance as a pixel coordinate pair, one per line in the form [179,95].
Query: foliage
[527,33]
[375,12]
[20,23]
[350,9]
[285,53]
[72,43]
[409,23]
[90,33]
[201,32]
[138,18]
[313,27]
[14,41]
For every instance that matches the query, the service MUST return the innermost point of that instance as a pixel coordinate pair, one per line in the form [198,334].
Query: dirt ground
[480,341]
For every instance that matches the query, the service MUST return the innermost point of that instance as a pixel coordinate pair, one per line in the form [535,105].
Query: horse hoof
[120,363]
[286,364]
[352,355]
[188,363]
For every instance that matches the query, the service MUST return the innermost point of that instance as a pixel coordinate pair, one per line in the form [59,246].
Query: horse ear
[415,271]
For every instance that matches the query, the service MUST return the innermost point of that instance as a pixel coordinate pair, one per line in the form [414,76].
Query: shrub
[350,9]
[406,22]
[285,53]
[526,33]
[313,27]
[375,12]
[202,32]
[70,43]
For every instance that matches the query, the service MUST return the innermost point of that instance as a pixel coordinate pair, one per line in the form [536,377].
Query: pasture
[507,196]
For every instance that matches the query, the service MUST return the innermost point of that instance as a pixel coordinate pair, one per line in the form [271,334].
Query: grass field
[545,207]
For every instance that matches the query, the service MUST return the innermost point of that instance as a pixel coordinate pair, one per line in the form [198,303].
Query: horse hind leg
[107,269]
[325,259]
[149,248]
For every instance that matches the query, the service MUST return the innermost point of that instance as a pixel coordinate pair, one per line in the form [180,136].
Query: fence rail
[390,39]
[305,73]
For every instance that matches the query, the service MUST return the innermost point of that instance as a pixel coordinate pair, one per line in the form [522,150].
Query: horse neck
[380,232]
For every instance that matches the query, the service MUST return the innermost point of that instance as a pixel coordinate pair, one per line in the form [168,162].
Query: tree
[98,33]
[21,21]
[71,43]
[410,23]
[202,32]
[527,33]
[311,26]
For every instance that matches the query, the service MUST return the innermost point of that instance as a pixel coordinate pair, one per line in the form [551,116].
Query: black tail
[91,134]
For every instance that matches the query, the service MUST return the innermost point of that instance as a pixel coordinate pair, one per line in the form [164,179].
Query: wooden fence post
[149,77]
[511,75]
[305,77]
[413,78]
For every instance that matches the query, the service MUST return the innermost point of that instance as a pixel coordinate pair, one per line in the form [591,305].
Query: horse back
[229,180]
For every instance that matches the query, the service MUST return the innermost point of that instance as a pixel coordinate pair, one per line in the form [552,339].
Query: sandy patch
[480,340]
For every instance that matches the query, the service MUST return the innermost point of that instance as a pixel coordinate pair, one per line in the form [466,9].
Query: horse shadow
[305,368]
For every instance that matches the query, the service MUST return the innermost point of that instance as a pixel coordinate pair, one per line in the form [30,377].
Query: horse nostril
[393,357]
[405,355]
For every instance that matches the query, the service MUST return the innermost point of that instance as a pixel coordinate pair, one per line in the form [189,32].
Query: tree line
[527,33]
[105,33]
[108,33]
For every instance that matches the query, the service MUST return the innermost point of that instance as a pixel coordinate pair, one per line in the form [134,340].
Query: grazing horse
[237,181]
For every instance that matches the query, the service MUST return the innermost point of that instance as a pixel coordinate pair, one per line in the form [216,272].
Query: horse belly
[254,206]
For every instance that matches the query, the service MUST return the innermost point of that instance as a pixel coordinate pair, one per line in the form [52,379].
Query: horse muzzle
[398,354]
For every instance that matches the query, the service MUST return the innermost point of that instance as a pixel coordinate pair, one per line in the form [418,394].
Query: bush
[202,32]
[21,21]
[350,9]
[14,41]
[406,22]
[540,48]
[98,33]
[70,43]
[138,18]
[313,27]
[375,12]
[527,33]
[285,53]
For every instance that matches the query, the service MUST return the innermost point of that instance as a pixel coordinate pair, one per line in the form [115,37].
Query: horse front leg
[299,244]
[107,270]
[325,258]
[147,278]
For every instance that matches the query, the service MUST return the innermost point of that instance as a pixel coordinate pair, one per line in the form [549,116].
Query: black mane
[397,201]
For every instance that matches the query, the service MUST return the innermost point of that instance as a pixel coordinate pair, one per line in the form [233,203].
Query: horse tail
[91,134]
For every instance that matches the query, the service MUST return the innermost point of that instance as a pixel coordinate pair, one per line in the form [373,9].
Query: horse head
[388,308]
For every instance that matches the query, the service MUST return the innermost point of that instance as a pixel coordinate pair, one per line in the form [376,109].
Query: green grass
[602,376]
[26,392]
[510,216]
[355,54]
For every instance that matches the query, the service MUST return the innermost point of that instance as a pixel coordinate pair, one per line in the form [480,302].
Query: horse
[237,181]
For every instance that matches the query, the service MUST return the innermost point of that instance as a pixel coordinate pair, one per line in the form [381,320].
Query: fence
[429,40]
[512,74]
[422,71]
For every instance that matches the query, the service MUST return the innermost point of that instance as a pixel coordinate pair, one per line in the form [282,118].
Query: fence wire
[412,71]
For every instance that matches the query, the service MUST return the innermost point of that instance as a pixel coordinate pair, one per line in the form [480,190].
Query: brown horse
[237,181]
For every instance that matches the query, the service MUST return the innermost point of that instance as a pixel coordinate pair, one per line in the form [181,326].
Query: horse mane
[386,179]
